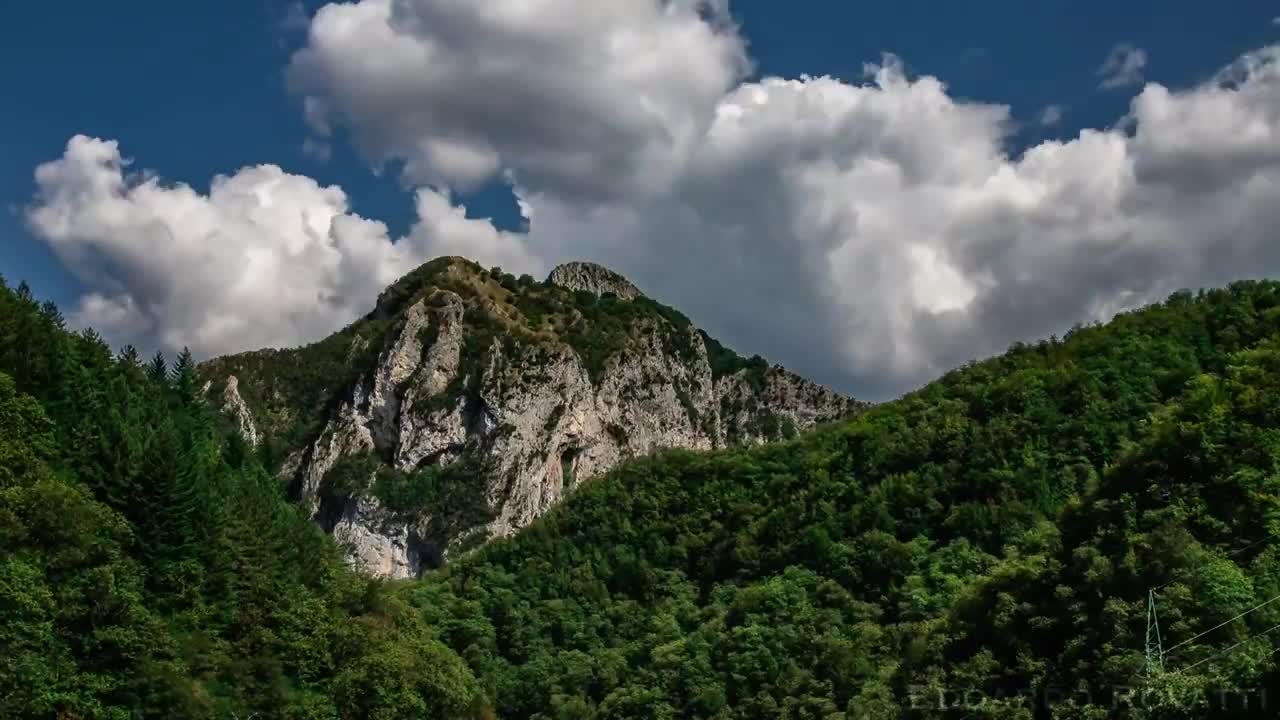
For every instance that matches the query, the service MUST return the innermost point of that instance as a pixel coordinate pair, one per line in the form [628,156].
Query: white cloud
[1051,115]
[1123,67]
[869,235]
[874,236]
[593,100]
[265,258]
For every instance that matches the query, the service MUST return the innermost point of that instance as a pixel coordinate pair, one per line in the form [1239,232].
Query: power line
[1155,653]
[1220,653]
[1253,544]
[1225,622]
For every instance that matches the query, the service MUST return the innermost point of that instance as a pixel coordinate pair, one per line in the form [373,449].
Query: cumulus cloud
[877,235]
[265,258]
[870,235]
[590,100]
[1123,67]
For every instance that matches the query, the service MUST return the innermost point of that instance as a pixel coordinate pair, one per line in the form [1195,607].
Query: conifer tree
[183,376]
[158,369]
[129,356]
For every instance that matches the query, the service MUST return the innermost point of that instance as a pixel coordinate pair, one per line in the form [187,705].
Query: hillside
[151,569]
[985,544]
[469,401]
[984,547]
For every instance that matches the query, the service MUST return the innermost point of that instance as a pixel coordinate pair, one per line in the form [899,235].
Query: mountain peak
[470,401]
[593,278]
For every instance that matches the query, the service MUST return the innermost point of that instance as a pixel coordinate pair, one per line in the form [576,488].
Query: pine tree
[129,356]
[183,376]
[158,369]
[53,316]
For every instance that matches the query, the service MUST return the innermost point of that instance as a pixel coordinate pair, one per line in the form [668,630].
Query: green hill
[985,547]
[991,536]
[150,568]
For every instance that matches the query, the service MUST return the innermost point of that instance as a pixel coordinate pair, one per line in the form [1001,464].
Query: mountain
[1084,527]
[469,402]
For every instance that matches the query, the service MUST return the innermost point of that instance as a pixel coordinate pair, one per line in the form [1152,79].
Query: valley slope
[984,547]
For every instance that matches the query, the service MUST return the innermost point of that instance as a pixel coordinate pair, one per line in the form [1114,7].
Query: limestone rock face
[593,278]
[234,406]
[524,422]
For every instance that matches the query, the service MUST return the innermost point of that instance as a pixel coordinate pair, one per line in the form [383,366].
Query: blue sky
[195,90]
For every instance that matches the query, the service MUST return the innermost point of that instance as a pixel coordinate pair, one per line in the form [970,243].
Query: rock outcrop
[593,278]
[468,427]
[235,407]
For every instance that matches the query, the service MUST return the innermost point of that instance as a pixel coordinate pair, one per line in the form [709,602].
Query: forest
[150,567]
[985,547]
[992,545]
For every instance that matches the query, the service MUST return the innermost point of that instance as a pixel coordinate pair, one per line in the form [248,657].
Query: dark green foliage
[993,533]
[158,369]
[452,495]
[290,391]
[395,299]
[727,362]
[600,327]
[151,568]
[350,476]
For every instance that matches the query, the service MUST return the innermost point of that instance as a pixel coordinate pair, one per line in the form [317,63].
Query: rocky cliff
[469,402]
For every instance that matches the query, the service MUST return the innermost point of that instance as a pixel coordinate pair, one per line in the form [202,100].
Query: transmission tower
[1155,647]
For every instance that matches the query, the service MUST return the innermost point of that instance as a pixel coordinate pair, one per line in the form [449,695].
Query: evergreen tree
[129,357]
[183,376]
[158,369]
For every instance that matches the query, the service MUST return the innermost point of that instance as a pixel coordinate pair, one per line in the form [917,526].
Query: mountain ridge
[469,401]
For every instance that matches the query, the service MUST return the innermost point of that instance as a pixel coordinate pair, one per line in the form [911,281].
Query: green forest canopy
[989,538]
[152,569]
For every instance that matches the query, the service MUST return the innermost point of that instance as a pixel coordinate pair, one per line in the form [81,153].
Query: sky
[870,194]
